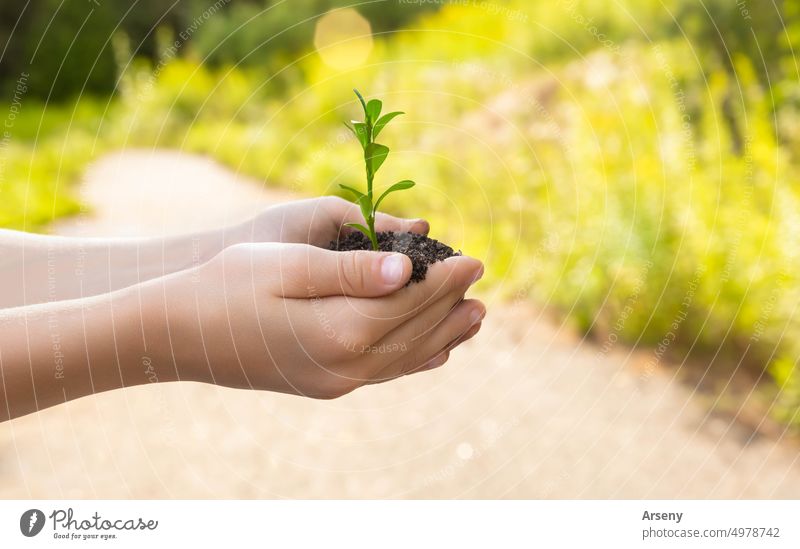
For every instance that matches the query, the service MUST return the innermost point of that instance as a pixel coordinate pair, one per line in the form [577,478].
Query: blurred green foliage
[630,167]
[66,46]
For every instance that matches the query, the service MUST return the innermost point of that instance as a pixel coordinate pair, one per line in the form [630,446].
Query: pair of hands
[278,312]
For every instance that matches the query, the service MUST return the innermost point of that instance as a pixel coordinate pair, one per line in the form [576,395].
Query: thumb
[311,271]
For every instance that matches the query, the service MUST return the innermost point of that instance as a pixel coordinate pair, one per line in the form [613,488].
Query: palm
[317,222]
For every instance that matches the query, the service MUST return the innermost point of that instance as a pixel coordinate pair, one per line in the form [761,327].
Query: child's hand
[299,319]
[317,221]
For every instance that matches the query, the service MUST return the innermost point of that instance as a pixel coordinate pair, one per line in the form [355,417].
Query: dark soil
[422,251]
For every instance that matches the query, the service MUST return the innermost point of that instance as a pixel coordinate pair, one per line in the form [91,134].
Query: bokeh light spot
[343,39]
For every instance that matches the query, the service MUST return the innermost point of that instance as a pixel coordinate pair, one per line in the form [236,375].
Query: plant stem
[371,218]
[370,176]
[372,235]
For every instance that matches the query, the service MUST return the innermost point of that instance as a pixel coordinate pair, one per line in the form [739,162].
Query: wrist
[240,233]
[261,228]
[192,250]
[166,318]
[140,341]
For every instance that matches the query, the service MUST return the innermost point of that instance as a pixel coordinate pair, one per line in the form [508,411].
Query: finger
[464,316]
[341,211]
[452,277]
[402,340]
[434,350]
[437,361]
[466,337]
[441,358]
[386,222]
[308,271]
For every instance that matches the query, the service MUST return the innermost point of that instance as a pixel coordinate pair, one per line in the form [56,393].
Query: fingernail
[392,269]
[475,316]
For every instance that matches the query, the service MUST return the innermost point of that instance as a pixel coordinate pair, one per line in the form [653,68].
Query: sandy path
[524,410]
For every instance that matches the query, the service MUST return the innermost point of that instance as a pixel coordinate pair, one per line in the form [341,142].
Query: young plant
[374,155]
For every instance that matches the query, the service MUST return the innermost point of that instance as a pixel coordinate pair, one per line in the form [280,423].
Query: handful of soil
[422,251]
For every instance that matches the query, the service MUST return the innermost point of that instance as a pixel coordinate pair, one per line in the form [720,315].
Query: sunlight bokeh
[343,39]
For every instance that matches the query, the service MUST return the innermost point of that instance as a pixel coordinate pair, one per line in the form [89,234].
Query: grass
[43,153]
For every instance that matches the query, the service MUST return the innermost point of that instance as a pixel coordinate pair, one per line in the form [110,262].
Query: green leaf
[362,133]
[360,227]
[382,121]
[373,111]
[363,104]
[355,192]
[365,203]
[374,155]
[399,186]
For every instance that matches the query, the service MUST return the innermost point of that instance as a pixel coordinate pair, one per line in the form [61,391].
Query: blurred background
[627,170]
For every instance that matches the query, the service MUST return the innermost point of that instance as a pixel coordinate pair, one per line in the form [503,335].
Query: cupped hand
[317,221]
[299,319]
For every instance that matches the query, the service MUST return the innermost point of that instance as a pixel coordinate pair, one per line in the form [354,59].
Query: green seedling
[374,156]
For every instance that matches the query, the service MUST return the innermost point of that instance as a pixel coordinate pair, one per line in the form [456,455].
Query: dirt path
[525,410]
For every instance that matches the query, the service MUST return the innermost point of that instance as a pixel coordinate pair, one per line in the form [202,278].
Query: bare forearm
[39,269]
[56,352]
